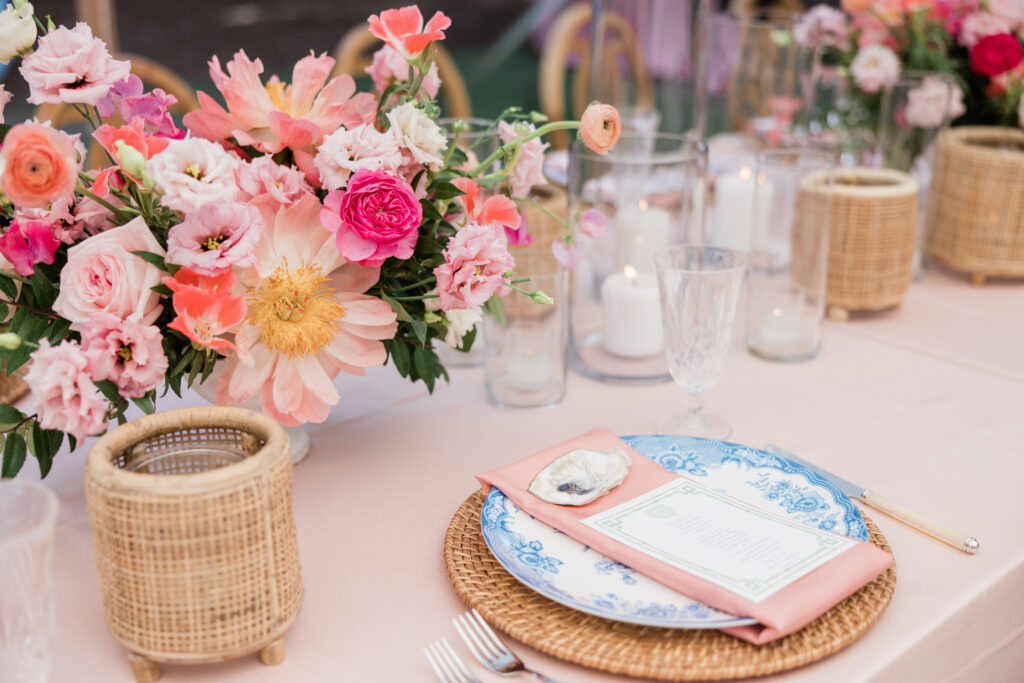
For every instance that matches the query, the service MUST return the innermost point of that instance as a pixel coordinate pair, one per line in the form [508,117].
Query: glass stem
[693,409]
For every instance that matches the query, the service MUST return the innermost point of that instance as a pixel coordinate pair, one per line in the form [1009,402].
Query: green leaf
[400,355]
[446,191]
[419,328]
[424,368]
[155,259]
[496,308]
[162,290]
[14,455]
[72,443]
[403,315]
[43,289]
[183,362]
[146,403]
[430,212]
[109,390]
[467,339]
[10,416]
[39,445]
[458,157]
[58,330]
[8,286]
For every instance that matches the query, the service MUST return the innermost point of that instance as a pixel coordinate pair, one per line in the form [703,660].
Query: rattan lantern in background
[194,536]
[976,207]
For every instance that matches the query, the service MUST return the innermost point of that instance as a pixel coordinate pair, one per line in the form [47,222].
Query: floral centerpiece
[294,232]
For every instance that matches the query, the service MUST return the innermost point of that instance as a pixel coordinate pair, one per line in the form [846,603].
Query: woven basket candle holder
[976,207]
[194,537]
[871,245]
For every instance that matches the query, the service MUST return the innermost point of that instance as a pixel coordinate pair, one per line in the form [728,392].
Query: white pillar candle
[632,314]
[529,370]
[734,208]
[780,327]
[641,230]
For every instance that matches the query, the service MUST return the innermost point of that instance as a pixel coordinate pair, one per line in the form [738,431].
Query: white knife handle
[968,544]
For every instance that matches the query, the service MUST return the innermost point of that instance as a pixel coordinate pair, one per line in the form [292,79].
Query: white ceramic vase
[298,437]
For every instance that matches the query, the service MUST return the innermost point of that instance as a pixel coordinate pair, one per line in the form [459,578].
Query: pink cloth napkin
[785,611]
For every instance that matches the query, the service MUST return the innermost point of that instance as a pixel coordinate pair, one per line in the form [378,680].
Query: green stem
[102,202]
[523,200]
[416,298]
[543,130]
[36,311]
[426,281]
[451,148]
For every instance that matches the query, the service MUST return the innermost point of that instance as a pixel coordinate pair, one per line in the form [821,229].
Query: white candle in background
[781,327]
[529,370]
[734,221]
[632,314]
[642,230]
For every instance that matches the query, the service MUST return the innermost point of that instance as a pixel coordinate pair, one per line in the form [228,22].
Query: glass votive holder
[526,357]
[651,188]
[788,260]
[28,515]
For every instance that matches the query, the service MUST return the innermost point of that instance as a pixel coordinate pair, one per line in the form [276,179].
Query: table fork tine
[488,649]
[447,664]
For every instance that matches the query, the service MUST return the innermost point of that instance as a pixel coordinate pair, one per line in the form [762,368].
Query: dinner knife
[968,544]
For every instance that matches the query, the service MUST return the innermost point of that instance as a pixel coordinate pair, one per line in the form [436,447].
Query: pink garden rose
[66,399]
[388,65]
[216,238]
[102,275]
[70,65]
[476,260]
[26,244]
[375,218]
[529,168]
[263,180]
[127,353]
[192,173]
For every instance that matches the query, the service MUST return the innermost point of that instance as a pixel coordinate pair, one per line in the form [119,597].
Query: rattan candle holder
[976,206]
[194,537]
[871,246]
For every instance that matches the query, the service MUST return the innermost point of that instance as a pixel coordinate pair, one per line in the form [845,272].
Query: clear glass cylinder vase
[651,188]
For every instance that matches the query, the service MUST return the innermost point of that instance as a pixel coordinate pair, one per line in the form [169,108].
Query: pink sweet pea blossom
[70,65]
[66,399]
[70,218]
[150,108]
[404,31]
[519,237]
[496,209]
[567,253]
[593,223]
[476,260]
[529,168]
[216,238]
[821,25]
[26,244]
[129,354]
[376,217]
[263,180]
[390,66]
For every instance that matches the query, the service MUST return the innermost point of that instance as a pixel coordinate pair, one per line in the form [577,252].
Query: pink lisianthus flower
[821,25]
[129,354]
[593,223]
[205,316]
[66,399]
[403,30]
[71,66]
[149,108]
[376,217]
[192,173]
[216,238]
[5,97]
[390,66]
[277,115]
[308,320]
[345,151]
[26,244]
[475,263]
[567,252]
[263,180]
[933,103]
[529,168]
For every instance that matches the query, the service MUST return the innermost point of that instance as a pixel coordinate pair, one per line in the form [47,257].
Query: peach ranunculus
[71,66]
[102,275]
[600,127]
[308,320]
[403,29]
[277,115]
[40,165]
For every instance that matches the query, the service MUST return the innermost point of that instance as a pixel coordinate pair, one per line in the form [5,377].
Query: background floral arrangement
[977,42]
[297,231]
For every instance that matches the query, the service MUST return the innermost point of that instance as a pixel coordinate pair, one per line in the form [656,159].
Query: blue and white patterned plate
[570,573]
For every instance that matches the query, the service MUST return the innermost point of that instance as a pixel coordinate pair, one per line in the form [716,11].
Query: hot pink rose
[529,168]
[263,180]
[66,398]
[27,244]
[476,261]
[375,218]
[216,238]
[102,275]
[993,55]
[129,354]
[70,65]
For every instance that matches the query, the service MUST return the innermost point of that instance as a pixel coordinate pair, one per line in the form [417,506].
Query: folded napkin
[785,611]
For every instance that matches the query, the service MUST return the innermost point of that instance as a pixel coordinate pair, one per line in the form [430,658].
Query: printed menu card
[728,554]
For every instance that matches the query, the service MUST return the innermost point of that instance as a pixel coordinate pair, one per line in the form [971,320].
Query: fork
[489,650]
[447,665]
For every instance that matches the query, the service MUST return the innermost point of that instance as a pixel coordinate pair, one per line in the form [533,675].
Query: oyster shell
[580,476]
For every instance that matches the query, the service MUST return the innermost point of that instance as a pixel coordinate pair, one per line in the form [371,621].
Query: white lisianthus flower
[460,322]
[875,67]
[17,30]
[344,152]
[421,137]
[194,172]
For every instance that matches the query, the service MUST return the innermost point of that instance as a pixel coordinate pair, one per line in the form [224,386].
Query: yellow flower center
[124,353]
[295,310]
[213,243]
[194,171]
[280,95]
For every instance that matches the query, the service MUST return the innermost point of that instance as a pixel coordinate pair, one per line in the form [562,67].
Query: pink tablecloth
[924,405]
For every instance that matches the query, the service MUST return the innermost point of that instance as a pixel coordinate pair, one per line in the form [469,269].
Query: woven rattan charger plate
[642,651]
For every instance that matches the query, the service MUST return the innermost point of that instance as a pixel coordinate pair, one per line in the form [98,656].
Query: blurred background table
[923,405]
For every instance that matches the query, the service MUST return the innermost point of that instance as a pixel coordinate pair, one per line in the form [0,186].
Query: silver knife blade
[844,485]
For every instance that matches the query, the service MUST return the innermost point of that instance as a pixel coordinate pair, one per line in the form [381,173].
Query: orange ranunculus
[404,31]
[41,165]
[856,6]
[600,127]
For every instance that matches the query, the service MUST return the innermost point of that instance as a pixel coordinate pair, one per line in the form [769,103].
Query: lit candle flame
[746,173]
[642,204]
[777,312]
[630,273]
